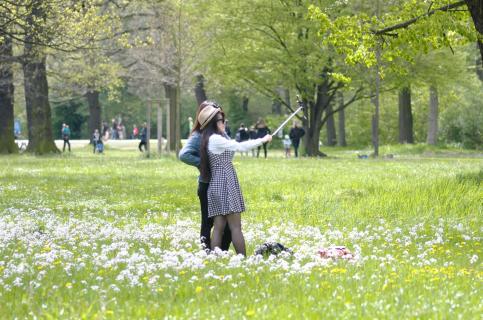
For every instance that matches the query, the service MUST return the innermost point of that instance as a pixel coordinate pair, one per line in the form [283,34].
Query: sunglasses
[213,104]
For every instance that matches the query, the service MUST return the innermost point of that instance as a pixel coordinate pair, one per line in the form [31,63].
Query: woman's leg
[234,221]
[258,151]
[219,225]
[265,149]
[226,240]
[206,223]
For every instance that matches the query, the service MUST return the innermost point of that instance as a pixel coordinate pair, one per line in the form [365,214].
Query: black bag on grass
[274,248]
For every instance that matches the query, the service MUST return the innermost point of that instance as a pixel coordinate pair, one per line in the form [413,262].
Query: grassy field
[115,236]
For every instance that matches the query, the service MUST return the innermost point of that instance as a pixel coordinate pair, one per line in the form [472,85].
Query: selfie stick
[290,117]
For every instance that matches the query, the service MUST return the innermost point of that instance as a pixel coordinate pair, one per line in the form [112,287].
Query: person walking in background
[65,136]
[97,141]
[121,131]
[262,131]
[225,200]
[135,132]
[190,154]
[144,135]
[114,129]
[296,133]
[286,145]
[252,135]
[105,128]
[242,135]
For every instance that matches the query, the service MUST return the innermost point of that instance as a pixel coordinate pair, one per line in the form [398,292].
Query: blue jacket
[190,154]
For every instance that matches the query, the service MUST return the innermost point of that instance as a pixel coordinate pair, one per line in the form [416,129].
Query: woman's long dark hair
[210,129]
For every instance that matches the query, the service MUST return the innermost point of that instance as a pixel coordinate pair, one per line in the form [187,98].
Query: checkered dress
[224,193]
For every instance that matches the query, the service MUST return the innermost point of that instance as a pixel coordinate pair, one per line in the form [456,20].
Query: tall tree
[405,116]
[273,44]
[37,103]
[40,27]
[433,115]
[331,133]
[341,139]
[7,139]
[200,92]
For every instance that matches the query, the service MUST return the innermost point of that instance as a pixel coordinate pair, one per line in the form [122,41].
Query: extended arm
[219,144]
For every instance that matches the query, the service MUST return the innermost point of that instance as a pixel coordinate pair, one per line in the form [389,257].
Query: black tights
[296,148]
[207,223]
[142,143]
[264,149]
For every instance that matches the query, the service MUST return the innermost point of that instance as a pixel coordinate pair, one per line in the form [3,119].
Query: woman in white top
[225,200]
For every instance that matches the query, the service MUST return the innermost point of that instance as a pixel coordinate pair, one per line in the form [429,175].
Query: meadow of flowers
[115,236]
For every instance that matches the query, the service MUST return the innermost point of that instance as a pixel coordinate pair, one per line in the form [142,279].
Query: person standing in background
[286,145]
[262,131]
[113,129]
[242,135]
[65,136]
[144,136]
[296,133]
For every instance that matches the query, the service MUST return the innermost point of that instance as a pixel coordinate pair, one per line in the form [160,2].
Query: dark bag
[269,248]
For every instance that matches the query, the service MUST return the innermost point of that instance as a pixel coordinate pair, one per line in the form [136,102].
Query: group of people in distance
[98,140]
[260,130]
[211,150]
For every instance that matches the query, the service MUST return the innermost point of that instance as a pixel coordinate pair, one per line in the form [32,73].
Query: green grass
[115,236]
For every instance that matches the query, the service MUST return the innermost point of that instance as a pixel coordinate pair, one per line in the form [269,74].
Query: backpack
[100,147]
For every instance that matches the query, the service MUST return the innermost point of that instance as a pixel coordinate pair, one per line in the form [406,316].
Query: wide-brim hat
[205,115]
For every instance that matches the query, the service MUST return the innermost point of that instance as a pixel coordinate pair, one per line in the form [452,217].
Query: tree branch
[407,23]
[354,98]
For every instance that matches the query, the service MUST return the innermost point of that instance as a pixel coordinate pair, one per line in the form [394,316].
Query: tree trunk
[276,107]
[330,125]
[285,95]
[405,116]
[341,141]
[7,138]
[177,119]
[433,116]
[39,120]
[171,95]
[245,104]
[479,64]
[200,92]
[313,113]
[94,111]
[376,101]
[476,9]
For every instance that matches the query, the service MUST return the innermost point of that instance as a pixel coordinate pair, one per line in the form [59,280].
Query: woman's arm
[190,154]
[219,144]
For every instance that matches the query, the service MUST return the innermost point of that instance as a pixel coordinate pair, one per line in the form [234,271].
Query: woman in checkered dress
[225,200]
